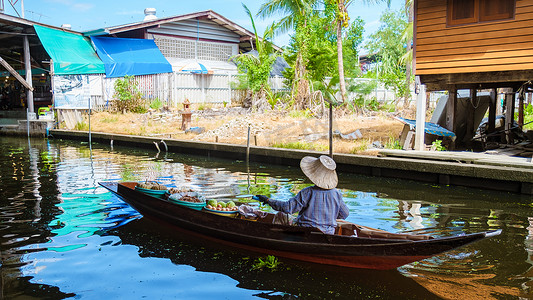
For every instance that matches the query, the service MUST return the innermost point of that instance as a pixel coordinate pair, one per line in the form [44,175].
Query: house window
[182,48]
[473,11]
[491,10]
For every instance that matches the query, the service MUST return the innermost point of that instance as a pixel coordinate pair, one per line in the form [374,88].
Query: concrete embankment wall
[502,178]
[34,128]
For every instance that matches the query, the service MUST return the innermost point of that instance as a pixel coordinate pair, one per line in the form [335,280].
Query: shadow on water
[292,280]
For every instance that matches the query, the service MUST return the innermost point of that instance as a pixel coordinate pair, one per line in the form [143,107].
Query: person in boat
[320,205]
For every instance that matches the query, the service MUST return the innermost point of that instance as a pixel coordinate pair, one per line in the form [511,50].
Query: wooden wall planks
[482,47]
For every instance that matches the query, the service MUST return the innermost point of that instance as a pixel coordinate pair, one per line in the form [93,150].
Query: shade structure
[71,53]
[195,68]
[125,56]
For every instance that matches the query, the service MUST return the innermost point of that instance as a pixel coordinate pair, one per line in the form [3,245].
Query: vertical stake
[248,146]
[331,129]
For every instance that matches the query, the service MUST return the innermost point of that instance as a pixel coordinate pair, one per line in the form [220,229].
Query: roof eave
[96,32]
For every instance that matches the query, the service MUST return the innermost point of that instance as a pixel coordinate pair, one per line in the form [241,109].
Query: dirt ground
[294,129]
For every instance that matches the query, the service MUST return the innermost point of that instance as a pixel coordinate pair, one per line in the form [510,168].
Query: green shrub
[156,104]
[371,104]
[127,96]
[437,146]
[528,117]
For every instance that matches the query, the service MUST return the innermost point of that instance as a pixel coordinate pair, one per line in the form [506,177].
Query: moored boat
[352,246]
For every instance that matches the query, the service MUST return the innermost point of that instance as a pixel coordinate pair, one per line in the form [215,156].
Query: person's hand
[263,199]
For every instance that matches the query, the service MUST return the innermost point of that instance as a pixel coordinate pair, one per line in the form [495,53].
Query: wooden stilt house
[483,47]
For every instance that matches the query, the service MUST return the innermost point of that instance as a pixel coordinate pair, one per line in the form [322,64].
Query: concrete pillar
[420,118]
[27,65]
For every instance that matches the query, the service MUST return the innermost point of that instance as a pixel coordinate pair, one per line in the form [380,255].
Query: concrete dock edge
[508,179]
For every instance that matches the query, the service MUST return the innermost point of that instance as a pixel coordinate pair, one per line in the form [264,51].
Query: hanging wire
[20,61]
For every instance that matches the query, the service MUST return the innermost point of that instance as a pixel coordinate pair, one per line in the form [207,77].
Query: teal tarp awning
[71,53]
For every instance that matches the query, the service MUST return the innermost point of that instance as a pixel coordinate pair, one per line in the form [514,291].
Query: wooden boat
[370,249]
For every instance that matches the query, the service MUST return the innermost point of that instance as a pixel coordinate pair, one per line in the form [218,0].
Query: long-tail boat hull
[371,249]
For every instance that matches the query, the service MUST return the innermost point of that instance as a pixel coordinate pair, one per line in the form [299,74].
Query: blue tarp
[123,56]
[430,128]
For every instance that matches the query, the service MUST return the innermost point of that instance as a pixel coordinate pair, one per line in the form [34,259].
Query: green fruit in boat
[212,202]
[144,186]
[221,204]
[159,187]
[230,204]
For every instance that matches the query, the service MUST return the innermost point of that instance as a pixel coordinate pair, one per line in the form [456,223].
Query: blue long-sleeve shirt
[317,208]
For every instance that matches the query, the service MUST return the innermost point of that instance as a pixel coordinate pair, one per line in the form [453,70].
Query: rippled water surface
[63,236]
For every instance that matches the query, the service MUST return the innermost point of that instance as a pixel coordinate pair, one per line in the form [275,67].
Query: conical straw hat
[321,171]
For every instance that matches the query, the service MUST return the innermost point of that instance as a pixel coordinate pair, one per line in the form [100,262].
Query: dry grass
[276,128]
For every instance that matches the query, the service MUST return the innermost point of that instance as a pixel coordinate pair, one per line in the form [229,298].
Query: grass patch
[204,106]
[393,143]
[360,146]
[110,119]
[297,114]
[81,126]
[300,146]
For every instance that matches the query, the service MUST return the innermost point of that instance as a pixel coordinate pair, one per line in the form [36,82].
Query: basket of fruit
[221,208]
[189,199]
[152,188]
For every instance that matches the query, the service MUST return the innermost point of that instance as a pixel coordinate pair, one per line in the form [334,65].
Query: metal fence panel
[173,88]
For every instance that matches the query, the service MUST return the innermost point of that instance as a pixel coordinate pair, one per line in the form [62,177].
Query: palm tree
[258,68]
[294,17]
[342,21]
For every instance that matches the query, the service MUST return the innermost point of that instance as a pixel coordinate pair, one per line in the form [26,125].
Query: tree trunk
[409,63]
[300,87]
[340,62]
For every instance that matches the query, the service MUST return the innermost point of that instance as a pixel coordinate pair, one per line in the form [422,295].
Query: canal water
[63,236]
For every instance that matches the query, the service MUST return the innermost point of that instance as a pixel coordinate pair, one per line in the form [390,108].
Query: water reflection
[58,228]
[528,275]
